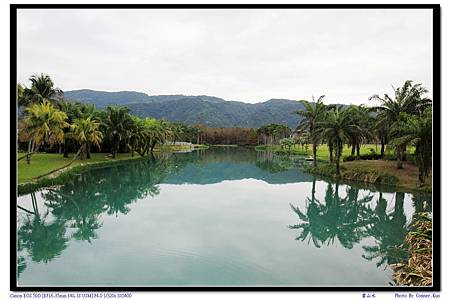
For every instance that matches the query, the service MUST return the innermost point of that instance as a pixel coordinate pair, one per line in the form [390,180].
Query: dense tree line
[227,136]
[49,122]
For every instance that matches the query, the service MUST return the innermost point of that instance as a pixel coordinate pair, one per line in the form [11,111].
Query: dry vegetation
[417,271]
[407,176]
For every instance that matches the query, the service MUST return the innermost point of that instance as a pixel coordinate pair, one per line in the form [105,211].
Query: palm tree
[134,134]
[382,132]
[42,88]
[312,114]
[43,123]
[116,123]
[73,112]
[86,132]
[337,128]
[21,96]
[159,132]
[407,99]
[416,131]
[360,116]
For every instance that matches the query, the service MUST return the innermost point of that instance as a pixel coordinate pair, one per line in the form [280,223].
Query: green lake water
[225,216]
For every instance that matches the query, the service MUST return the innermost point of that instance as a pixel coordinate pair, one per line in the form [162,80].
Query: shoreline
[379,172]
[62,175]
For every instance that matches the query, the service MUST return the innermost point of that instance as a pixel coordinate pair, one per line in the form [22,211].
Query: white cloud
[245,55]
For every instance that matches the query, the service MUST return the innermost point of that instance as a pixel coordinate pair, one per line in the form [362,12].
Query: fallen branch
[20,158]
[60,168]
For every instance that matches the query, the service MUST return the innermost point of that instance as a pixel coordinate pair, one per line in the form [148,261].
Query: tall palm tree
[73,112]
[117,122]
[416,131]
[382,132]
[407,99]
[86,132]
[42,87]
[43,123]
[337,127]
[312,114]
[360,116]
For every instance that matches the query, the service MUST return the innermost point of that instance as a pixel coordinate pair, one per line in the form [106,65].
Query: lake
[222,216]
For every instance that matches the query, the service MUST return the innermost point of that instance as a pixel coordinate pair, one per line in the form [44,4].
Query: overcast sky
[242,55]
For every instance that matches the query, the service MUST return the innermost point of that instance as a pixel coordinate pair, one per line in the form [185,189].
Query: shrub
[369,156]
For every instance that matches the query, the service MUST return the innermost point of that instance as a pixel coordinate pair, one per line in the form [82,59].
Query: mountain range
[192,110]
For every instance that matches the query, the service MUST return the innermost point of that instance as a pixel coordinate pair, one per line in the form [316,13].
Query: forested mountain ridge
[191,110]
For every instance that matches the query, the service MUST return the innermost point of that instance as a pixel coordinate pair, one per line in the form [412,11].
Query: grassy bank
[375,172]
[322,150]
[62,176]
[43,163]
[379,171]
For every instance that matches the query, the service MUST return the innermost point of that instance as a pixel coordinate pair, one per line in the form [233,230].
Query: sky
[240,55]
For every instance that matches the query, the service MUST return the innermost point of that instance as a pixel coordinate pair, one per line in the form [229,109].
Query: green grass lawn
[322,150]
[42,163]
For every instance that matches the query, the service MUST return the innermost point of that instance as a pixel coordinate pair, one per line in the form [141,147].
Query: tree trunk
[399,159]
[66,149]
[22,157]
[358,147]
[421,179]
[88,151]
[338,158]
[422,175]
[330,149]
[30,143]
[315,154]
[83,151]
[382,147]
[313,190]
[353,149]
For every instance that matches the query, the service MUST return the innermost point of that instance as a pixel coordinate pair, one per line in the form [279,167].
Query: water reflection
[352,218]
[77,206]
[51,219]
[338,218]
[44,239]
[389,231]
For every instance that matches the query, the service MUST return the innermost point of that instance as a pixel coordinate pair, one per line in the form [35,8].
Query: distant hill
[191,110]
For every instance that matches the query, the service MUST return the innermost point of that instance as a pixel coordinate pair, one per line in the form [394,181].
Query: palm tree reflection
[43,239]
[78,205]
[389,231]
[337,218]
[350,219]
